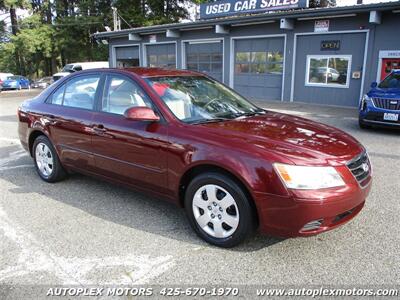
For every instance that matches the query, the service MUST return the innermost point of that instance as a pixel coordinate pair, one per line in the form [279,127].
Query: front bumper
[291,216]
[374,116]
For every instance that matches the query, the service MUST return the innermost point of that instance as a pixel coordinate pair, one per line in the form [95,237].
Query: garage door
[205,57]
[127,56]
[329,68]
[163,56]
[259,67]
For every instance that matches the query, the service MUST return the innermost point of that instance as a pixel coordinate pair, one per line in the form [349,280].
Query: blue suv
[381,105]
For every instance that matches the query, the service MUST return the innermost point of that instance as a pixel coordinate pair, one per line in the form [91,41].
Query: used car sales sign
[225,8]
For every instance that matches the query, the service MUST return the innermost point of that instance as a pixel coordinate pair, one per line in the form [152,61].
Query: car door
[68,116]
[130,151]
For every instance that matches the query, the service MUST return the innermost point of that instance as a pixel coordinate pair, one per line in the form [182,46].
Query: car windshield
[68,68]
[391,82]
[12,77]
[198,99]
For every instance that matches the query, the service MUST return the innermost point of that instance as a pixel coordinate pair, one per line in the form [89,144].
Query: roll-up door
[258,67]
[205,57]
[127,56]
[161,55]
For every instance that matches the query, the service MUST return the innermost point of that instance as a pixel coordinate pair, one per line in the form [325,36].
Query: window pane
[57,97]
[259,57]
[243,57]
[152,59]
[242,68]
[80,92]
[317,72]
[258,68]
[204,57]
[337,71]
[275,68]
[275,56]
[122,94]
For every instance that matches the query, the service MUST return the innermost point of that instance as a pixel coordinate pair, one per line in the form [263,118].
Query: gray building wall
[380,37]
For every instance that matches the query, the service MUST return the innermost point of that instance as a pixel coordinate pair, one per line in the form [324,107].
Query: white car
[79,66]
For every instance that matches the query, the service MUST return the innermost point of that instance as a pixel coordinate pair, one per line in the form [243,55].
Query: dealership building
[273,50]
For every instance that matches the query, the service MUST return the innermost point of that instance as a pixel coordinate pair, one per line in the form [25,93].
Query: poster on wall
[321,26]
[224,8]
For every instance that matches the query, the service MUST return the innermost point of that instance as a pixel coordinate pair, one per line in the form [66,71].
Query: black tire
[246,214]
[362,124]
[58,173]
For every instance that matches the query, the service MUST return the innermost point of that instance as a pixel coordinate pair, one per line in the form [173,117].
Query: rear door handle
[51,119]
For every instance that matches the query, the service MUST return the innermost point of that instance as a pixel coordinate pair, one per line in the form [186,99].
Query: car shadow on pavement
[113,203]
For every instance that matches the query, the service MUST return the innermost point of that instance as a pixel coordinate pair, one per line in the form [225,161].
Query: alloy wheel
[44,159]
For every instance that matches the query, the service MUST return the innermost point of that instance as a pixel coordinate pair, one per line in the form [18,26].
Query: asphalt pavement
[83,231]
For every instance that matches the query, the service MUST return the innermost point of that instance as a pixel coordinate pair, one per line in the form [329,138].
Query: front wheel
[47,163]
[218,210]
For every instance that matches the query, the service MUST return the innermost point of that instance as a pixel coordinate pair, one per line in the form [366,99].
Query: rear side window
[57,97]
[79,92]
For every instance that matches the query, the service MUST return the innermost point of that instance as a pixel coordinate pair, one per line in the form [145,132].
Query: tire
[363,125]
[216,210]
[46,160]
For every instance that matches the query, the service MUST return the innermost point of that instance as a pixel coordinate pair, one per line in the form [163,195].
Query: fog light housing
[313,225]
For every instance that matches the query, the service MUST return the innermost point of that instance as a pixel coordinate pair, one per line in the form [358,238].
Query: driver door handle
[98,128]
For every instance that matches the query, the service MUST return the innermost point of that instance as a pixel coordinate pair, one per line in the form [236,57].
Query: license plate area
[391,117]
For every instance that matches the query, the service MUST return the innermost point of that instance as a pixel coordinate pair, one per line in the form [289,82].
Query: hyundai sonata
[183,136]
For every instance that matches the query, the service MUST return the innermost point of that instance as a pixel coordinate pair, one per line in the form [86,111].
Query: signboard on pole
[226,8]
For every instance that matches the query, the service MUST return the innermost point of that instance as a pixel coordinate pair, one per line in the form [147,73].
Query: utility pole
[116,19]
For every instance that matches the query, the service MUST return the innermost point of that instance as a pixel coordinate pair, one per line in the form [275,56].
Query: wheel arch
[32,137]
[207,167]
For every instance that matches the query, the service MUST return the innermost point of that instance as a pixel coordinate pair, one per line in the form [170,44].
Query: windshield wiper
[204,121]
[248,114]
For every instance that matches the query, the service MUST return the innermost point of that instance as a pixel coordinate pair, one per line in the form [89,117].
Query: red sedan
[181,135]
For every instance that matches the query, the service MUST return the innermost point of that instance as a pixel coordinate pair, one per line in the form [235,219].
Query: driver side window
[122,93]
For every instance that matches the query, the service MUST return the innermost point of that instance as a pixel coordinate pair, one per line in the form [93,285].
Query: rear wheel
[218,210]
[46,160]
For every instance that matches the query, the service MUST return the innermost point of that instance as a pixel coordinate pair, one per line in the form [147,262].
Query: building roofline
[299,13]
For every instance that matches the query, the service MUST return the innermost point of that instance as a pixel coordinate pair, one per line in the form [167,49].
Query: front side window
[391,82]
[80,92]
[331,71]
[122,93]
[195,99]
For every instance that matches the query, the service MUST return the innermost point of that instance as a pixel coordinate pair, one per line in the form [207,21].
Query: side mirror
[141,113]
[374,85]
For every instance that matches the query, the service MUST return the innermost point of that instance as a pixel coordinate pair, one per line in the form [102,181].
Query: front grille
[360,167]
[392,104]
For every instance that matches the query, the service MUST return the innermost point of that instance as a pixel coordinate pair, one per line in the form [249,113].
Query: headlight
[308,178]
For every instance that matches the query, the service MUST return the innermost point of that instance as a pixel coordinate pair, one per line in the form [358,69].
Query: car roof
[160,72]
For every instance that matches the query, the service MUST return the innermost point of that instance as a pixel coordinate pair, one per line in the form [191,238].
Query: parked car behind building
[16,82]
[42,83]
[79,66]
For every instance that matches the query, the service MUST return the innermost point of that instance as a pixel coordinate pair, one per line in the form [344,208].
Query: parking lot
[84,231]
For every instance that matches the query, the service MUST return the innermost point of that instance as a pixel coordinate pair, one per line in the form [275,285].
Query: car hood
[392,93]
[299,140]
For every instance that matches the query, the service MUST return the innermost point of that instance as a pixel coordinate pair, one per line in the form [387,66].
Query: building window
[270,62]
[328,70]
